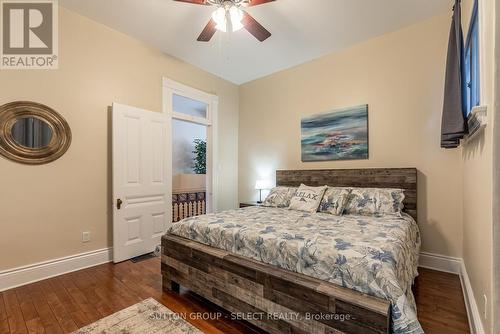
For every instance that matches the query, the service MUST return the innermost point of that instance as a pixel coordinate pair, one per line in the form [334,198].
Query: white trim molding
[475,323]
[15,277]
[456,266]
[440,263]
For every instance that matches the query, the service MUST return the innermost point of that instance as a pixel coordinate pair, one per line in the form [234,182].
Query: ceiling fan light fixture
[236,16]
[228,18]
[229,15]
[219,16]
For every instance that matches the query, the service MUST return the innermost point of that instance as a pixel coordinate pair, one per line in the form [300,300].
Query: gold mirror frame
[10,113]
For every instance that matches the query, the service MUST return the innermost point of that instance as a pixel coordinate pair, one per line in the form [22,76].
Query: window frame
[472,77]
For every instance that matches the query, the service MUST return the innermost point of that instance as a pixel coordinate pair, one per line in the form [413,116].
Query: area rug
[148,316]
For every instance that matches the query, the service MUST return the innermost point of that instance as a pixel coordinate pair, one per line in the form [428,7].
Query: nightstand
[247,204]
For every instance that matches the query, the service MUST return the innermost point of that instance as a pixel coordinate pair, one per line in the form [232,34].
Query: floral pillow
[334,200]
[375,202]
[279,197]
[307,198]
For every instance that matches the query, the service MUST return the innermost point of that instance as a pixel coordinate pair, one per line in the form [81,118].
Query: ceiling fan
[229,16]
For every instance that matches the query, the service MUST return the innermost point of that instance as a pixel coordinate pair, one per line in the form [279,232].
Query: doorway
[189,174]
[191,117]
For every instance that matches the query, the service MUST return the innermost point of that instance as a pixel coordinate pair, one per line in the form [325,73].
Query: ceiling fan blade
[252,3]
[195,2]
[255,28]
[209,31]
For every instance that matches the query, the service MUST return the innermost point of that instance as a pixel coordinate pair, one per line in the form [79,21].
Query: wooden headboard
[398,178]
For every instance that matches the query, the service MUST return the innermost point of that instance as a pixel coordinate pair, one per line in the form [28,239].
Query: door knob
[119,203]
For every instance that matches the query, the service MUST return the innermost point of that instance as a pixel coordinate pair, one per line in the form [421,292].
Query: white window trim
[483,75]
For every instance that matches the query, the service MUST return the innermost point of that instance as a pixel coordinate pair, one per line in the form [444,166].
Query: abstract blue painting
[337,135]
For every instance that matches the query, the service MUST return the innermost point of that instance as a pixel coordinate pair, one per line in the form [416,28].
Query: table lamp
[261,185]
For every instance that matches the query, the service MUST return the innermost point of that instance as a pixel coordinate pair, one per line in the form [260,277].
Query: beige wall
[44,209]
[496,182]
[401,76]
[478,174]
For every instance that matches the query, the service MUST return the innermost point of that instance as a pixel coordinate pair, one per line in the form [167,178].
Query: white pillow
[279,197]
[307,198]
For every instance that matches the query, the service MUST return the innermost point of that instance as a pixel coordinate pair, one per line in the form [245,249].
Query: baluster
[173,213]
[188,206]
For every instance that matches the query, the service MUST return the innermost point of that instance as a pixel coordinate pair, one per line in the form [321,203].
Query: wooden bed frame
[282,301]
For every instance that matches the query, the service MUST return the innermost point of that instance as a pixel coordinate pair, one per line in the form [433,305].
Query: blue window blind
[471,64]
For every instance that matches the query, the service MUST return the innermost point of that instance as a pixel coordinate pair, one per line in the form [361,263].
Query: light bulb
[236,16]
[219,16]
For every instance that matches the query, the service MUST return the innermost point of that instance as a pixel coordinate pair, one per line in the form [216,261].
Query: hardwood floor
[65,303]
[440,303]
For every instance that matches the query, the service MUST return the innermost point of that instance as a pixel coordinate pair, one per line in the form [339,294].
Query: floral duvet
[373,255]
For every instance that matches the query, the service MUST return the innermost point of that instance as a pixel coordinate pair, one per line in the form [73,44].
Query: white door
[141,193]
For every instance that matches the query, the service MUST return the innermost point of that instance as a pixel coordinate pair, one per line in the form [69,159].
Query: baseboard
[456,266]
[36,272]
[440,263]
[476,325]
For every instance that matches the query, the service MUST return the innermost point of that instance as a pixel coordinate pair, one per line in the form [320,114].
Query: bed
[288,271]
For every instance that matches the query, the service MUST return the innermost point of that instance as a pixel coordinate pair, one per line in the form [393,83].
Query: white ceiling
[302,29]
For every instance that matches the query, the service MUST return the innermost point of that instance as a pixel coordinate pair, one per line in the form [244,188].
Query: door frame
[171,87]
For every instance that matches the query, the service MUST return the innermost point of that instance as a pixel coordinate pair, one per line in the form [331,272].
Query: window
[471,64]
[188,106]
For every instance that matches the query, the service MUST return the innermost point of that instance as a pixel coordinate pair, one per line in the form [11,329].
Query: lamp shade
[263,185]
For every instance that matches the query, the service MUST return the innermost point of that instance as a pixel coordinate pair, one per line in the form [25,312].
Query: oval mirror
[32,132]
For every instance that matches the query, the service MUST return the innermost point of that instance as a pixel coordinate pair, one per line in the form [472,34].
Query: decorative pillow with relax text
[334,200]
[307,198]
[375,201]
[279,197]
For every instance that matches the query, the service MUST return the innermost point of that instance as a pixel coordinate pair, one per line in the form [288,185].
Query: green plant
[200,156]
